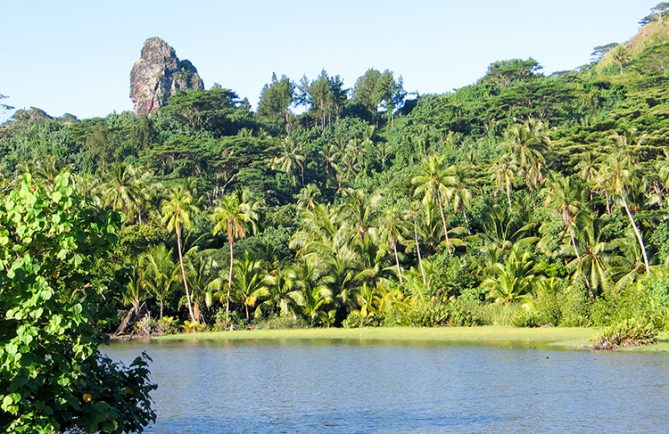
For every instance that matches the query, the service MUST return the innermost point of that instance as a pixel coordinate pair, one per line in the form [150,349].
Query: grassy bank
[555,337]
[562,337]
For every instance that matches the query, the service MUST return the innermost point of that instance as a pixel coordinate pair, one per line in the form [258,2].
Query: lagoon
[356,386]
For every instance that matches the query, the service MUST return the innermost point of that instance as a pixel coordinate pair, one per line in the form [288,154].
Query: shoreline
[576,338]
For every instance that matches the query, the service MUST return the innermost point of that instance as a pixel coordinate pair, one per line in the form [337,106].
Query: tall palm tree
[527,144]
[126,190]
[597,256]
[291,159]
[161,271]
[566,197]
[308,197]
[460,194]
[391,232]
[620,55]
[619,172]
[176,212]
[134,294]
[503,174]
[235,215]
[249,282]
[412,214]
[434,183]
[279,284]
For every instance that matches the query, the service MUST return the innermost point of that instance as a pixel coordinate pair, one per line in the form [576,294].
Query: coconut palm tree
[236,214]
[308,197]
[504,174]
[391,232]
[597,254]
[176,212]
[291,159]
[620,55]
[434,183]
[136,291]
[280,284]
[127,190]
[512,280]
[162,273]
[412,215]
[249,285]
[527,144]
[619,172]
[460,195]
[566,197]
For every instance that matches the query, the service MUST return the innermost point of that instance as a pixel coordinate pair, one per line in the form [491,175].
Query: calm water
[391,388]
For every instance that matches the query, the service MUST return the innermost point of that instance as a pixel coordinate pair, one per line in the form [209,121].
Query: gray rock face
[158,74]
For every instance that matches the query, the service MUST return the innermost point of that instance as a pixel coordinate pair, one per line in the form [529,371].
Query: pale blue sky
[75,56]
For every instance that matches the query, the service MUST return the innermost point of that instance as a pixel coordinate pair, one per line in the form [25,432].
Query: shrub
[427,315]
[53,378]
[146,326]
[193,327]
[465,310]
[626,333]
[646,301]
[575,307]
[282,322]
[498,313]
[527,318]
[167,325]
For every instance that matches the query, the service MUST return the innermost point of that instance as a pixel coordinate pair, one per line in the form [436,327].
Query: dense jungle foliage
[524,198]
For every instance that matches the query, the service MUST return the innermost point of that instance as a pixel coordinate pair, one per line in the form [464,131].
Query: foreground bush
[52,376]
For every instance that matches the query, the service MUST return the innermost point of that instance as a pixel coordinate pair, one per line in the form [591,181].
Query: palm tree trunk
[464,214]
[637,232]
[162,303]
[508,197]
[232,259]
[420,258]
[183,275]
[397,259]
[443,221]
[578,257]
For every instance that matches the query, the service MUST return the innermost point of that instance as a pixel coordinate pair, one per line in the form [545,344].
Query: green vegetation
[561,337]
[520,200]
[53,246]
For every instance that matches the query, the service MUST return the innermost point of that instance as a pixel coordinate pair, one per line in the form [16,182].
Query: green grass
[491,335]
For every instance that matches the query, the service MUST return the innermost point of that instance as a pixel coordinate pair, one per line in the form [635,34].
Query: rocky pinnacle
[158,74]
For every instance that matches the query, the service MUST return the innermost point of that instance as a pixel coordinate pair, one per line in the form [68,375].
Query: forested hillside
[523,198]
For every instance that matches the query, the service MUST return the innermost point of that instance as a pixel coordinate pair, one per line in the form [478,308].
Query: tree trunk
[464,214]
[420,258]
[637,232]
[183,275]
[393,243]
[162,303]
[443,221]
[508,197]
[232,259]
[578,257]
